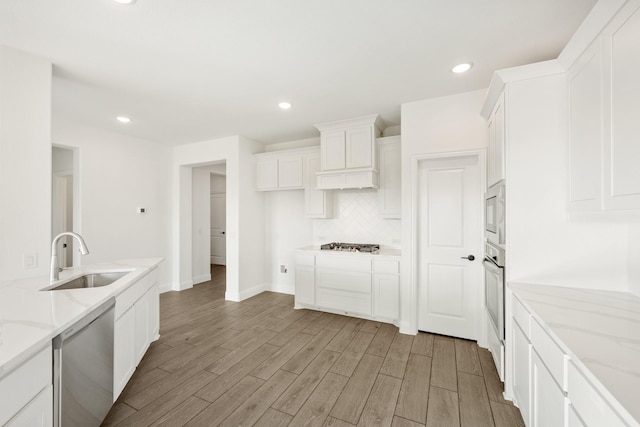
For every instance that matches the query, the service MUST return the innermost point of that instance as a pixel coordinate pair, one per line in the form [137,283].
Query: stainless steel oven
[494,214]
[494,286]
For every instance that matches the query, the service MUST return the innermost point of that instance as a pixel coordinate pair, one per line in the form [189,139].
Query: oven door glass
[494,295]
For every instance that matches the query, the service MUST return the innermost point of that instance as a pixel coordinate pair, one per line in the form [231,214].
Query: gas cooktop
[351,247]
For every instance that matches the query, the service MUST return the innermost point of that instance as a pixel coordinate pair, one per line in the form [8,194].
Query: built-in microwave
[494,214]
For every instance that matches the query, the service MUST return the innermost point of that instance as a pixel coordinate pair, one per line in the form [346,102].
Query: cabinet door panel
[624,155]
[389,192]
[332,150]
[290,173]
[500,146]
[267,174]
[37,413]
[359,147]
[547,399]
[386,289]
[143,330]
[585,86]
[124,351]
[305,285]
[521,371]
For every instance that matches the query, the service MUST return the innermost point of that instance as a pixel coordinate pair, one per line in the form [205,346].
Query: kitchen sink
[91,280]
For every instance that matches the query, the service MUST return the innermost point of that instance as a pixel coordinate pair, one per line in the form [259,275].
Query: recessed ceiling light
[284,105]
[461,68]
[125,1]
[123,119]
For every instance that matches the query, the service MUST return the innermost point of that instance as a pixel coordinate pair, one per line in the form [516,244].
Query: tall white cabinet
[390,189]
[496,149]
[604,100]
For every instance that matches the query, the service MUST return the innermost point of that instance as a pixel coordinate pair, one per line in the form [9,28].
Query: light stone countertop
[384,252]
[30,318]
[599,330]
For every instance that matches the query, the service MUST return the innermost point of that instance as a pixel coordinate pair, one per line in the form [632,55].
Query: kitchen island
[31,317]
[587,343]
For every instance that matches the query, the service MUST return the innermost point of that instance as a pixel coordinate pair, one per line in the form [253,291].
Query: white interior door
[449,230]
[218,229]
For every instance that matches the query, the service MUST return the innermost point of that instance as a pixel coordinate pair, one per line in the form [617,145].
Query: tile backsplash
[357,220]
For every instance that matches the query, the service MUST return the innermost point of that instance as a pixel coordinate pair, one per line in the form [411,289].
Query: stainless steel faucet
[55,269]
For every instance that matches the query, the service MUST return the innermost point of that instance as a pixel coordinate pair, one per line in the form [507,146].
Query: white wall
[543,245]
[25,163]
[438,125]
[116,175]
[245,213]
[62,159]
[286,229]
[634,259]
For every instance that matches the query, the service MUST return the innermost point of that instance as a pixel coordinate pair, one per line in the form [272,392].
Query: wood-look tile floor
[260,362]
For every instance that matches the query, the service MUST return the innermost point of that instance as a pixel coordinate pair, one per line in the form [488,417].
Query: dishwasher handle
[83,323]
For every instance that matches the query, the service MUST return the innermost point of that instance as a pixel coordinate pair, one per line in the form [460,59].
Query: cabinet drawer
[551,355]
[343,280]
[22,384]
[386,267]
[521,316]
[306,260]
[588,403]
[349,263]
[346,302]
[132,294]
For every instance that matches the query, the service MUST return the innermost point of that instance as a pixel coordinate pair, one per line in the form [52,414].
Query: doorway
[62,202]
[208,221]
[218,220]
[449,244]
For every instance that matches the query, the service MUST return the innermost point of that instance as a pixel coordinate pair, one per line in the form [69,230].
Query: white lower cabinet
[547,385]
[37,413]
[26,396]
[547,398]
[353,285]
[124,350]
[136,326]
[521,371]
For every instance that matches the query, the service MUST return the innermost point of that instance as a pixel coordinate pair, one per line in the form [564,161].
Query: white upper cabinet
[496,155]
[317,203]
[333,150]
[604,106]
[622,153]
[276,171]
[585,112]
[348,153]
[389,191]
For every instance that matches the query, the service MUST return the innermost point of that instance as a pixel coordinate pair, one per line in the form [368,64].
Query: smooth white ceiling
[191,70]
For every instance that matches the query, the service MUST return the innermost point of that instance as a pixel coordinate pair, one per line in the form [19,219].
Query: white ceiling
[191,70]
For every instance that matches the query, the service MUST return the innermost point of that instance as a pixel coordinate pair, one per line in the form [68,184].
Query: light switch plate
[29,261]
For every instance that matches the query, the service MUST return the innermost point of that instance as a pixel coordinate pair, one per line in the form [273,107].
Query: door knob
[470,257]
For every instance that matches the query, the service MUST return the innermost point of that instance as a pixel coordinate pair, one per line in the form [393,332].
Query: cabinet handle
[470,257]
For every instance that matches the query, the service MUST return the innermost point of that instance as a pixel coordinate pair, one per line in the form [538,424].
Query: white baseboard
[405,328]
[165,287]
[282,289]
[201,279]
[187,284]
[247,293]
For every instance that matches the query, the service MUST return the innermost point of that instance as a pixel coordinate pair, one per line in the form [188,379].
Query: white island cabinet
[551,380]
[136,326]
[26,393]
[351,284]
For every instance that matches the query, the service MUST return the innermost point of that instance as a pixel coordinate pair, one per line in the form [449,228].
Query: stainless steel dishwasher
[83,370]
